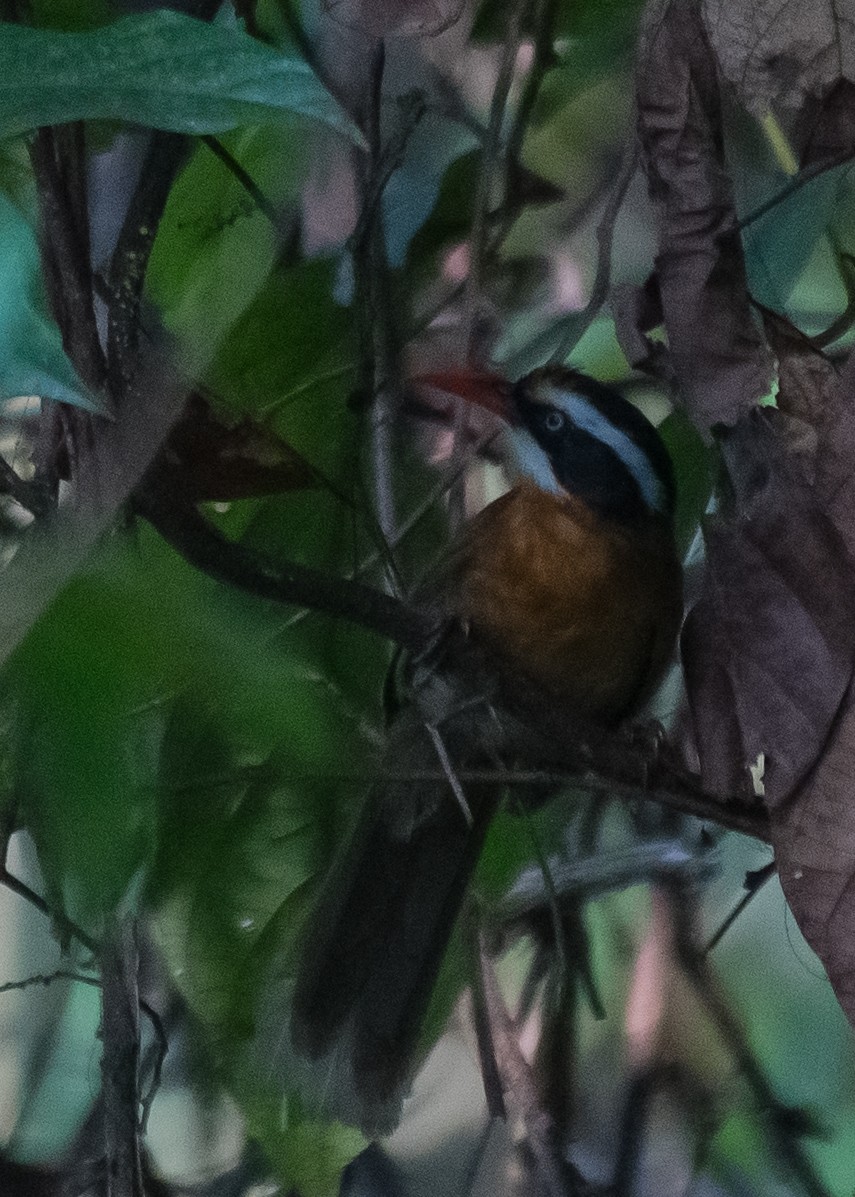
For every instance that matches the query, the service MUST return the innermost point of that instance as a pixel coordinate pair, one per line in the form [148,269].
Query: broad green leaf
[411,193]
[600,19]
[87,679]
[32,360]
[214,247]
[290,362]
[307,1156]
[787,243]
[693,469]
[71,15]
[94,682]
[161,69]
[450,219]
[291,350]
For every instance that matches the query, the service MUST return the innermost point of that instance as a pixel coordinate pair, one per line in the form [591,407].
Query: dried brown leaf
[814,836]
[217,459]
[771,646]
[805,375]
[782,52]
[637,312]
[835,475]
[814,830]
[770,651]
[705,646]
[720,360]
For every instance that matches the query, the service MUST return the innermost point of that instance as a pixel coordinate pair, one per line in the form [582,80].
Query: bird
[569,586]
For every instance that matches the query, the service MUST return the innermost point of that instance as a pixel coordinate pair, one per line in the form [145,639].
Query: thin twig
[545,12]
[120,1060]
[551,896]
[579,323]
[377,363]
[449,773]
[66,925]
[264,205]
[491,152]
[162,1047]
[30,495]
[556,1176]
[61,974]
[780,1119]
[675,794]
[490,1076]
[166,154]
[754,882]
[795,184]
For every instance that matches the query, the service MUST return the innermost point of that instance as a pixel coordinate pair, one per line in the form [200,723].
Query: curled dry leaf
[782,52]
[219,460]
[814,838]
[814,827]
[388,18]
[721,363]
[770,645]
[770,649]
[637,313]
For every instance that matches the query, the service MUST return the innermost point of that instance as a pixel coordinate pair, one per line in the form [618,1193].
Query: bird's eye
[553,421]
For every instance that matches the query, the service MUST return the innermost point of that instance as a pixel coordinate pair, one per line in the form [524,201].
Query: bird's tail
[376,939]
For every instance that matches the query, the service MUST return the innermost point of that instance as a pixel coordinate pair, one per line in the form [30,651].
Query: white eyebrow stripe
[589,418]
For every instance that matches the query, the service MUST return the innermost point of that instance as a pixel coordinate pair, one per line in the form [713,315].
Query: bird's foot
[649,741]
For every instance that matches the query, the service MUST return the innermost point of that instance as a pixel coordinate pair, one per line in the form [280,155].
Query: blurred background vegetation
[421,183]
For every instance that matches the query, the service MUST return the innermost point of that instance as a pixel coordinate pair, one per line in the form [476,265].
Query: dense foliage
[229,236]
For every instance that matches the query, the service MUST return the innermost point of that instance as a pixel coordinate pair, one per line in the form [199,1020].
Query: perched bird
[571,587]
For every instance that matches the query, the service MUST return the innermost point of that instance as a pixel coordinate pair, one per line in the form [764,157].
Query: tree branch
[120,1060]
[65,255]
[165,156]
[184,527]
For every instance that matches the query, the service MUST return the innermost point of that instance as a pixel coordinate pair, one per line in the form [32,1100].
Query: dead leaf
[835,475]
[637,313]
[721,363]
[814,836]
[705,649]
[779,53]
[219,460]
[771,646]
[814,828]
[777,638]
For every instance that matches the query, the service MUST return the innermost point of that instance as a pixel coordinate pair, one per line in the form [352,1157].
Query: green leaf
[161,69]
[32,360]
[450,219]
[779,245]
[307,1156]
[213,231]
[71,14]
[693,469]
[87,679]
[411,193]
[290,352]
[599,19]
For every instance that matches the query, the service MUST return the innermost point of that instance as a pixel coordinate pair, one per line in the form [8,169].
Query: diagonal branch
[184,527]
